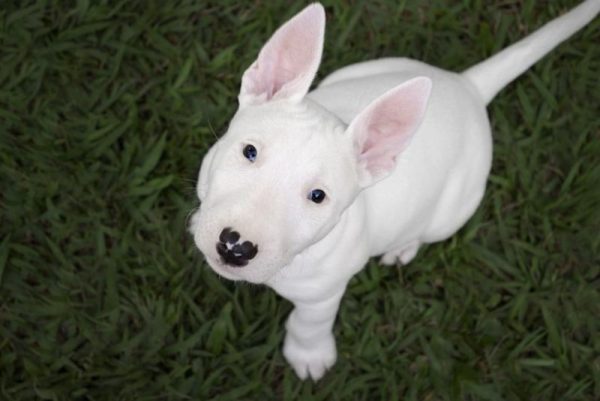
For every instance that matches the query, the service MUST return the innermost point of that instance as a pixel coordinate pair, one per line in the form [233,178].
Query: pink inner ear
[287,59]
[288,62]
[384,129]
[389,129]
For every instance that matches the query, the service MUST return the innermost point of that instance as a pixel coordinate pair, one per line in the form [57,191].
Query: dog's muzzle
[232,252]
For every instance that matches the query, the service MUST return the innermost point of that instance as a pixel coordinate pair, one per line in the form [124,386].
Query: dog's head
[279,180]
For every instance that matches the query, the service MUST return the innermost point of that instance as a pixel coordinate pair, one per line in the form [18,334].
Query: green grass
[105,113]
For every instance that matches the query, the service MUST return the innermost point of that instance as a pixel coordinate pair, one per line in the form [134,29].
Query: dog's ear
[384,129]
[288,62]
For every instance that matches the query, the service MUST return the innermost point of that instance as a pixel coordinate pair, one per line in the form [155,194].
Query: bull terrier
[382,157]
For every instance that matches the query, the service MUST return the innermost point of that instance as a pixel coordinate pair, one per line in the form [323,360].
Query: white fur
[403,162]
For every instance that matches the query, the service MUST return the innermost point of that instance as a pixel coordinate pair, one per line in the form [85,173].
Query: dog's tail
[493,74]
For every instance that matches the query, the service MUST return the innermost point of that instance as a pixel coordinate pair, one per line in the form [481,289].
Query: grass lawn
[105,114]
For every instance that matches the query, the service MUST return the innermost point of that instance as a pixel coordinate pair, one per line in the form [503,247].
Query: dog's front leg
[309,344]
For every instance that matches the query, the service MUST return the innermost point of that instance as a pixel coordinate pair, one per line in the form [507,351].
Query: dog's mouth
[222,269]
[233,259]
[256,274]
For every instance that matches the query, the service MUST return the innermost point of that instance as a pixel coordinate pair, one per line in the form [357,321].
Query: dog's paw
[404,255]
[311,361]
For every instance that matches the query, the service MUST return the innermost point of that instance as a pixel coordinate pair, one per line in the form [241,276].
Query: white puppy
[382,157]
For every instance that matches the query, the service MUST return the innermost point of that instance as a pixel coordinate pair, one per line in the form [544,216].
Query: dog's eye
[250,152]
[316,195]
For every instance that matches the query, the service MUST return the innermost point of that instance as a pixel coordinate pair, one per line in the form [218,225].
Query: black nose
[232,252]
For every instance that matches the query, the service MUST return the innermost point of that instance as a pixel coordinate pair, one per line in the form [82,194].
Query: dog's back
[440,178]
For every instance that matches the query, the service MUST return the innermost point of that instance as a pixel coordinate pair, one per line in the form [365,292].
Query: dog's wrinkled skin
[401,149]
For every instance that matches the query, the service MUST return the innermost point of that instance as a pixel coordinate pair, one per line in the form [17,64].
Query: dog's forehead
[284,122]
[301,138]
